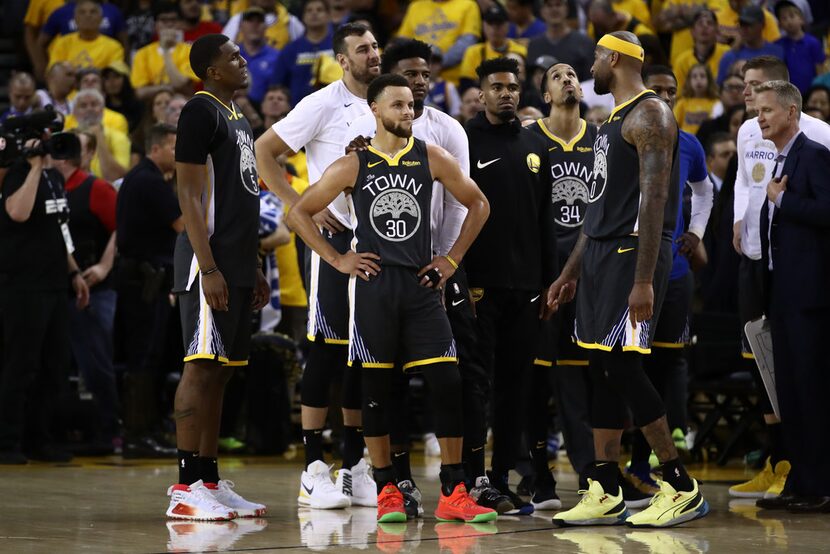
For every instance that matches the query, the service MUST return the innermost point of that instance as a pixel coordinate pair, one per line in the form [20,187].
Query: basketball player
[666,367]
[570,148]
[216,273]
[623,256]
[395,309]
[320,124]
[756,160]
[410,58]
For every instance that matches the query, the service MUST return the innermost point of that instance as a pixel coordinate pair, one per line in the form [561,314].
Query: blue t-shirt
[533,30]
[766,49]
[692,168]
[62,21]
[295,64]
[261,68]
[802,57]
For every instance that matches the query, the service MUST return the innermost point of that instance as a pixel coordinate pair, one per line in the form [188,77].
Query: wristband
[453,263]
[213,269]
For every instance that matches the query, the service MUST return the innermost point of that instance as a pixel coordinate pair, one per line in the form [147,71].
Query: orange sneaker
[459,506]
[390,505]
[461,538]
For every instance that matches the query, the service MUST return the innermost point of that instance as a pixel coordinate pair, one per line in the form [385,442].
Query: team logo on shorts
[247,162]
[395,215]
[569,196]
[533,162]
[600,168]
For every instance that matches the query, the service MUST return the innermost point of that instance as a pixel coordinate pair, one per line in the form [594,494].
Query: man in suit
[795,237]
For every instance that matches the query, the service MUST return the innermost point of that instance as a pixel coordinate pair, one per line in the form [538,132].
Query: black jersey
[219,136]
[614,193]
[390,205]
[571,168]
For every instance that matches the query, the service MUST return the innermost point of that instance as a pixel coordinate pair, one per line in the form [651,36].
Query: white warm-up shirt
[433,127]
[320,124]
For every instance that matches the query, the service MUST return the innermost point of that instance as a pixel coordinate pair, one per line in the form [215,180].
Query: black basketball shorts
[673,326]
[210,334]
[328,301]
[557,346]
[608,268]
[396,321]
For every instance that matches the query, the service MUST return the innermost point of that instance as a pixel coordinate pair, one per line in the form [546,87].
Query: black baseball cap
[254,12]
[751,15]
[495,14]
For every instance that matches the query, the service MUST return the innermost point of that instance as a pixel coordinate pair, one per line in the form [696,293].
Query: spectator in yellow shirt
[699,96]
[637,8]
[164,63]
[495,45]
[605,18]
[729,26]
[87,47]
[36,15]
[451,26]
[706,47]
[677,17]
[112,154]
[91,78]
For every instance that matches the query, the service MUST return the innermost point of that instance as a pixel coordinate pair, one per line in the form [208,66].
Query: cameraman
[36,270]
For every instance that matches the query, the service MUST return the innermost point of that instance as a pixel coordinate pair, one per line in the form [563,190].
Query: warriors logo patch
[395,215]
[247,162]
[533,162]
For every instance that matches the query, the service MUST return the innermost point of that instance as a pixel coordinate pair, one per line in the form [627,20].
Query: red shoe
[391,537]
[460,538]
[459,506]
[390,505]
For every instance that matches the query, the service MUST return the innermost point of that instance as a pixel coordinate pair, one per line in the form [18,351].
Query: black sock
[539,456]
[313,441]
[352,446]
[451,476]
[607,473]
[188,467]
[474,461]
[640,449]
[400,461]
[776,444]
[675,475]
[383,476]
[208,469]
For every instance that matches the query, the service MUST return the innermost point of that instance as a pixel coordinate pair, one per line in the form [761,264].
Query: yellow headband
[622,46]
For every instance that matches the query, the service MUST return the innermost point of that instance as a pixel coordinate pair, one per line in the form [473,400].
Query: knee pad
[326,364]
[444,382]
[377,401]
[352,393]
[399,417]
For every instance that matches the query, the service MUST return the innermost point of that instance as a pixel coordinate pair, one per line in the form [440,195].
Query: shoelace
[324,480]
[202,494]
[389,499]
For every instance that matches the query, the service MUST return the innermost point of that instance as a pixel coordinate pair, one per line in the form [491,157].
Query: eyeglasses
[733,88]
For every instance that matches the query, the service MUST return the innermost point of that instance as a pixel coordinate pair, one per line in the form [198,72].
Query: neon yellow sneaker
[670,507]
[782,470]
[595,508]
[757,486]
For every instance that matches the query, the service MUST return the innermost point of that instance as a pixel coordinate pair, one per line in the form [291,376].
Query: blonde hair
[786,93]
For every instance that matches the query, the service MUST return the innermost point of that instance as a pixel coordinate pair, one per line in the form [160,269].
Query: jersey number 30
[396,228]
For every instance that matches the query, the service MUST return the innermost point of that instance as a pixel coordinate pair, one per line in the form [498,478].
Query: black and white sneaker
[520,507]
[544,493]
[633,497]
[411,499]
[487,496]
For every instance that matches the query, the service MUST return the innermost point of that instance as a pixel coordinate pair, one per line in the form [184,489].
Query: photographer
[36,270]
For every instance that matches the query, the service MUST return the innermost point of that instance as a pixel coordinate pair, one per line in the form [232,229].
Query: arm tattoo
[652,130]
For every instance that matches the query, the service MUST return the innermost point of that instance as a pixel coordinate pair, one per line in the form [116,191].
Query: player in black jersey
[215,273]
[570,142]
[623,256]
[395,312]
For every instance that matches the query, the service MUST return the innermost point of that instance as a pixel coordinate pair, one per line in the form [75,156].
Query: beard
[418,105]
[362,75]
[571,99]
[396,129]
[602,84]
[506,115]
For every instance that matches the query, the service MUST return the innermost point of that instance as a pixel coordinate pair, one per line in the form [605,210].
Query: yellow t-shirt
[85,53]
[148,65]
[478,53]
[728,24]
[111,120]
[292,291]
[237,6]
[637,8]
[440,24]
[39,11]
[687,60]
[300,164]
[119,146]
[681,40]
[639,28]
[691,112]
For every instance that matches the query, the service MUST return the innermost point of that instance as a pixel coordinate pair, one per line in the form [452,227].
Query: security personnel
[513,258]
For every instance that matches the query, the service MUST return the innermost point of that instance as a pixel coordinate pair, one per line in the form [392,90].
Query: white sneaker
[322,530]
[431,445]
[224,493]
[318,491]
[201,536]
[357,485]
[197,503]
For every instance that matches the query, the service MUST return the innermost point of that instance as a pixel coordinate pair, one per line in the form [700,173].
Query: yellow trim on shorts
[639,349]
[747,355]
[657,344]
[237,363]
[543,363]
[579,363]
[372,365]
[428,361]
[313,338]
[597,346]
[206,356]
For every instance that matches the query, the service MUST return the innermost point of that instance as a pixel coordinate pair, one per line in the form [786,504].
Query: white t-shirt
[295,26]
[433,127]
[320,124]
[756,160]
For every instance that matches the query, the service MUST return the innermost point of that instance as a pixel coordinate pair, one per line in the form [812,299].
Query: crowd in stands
[117,70]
